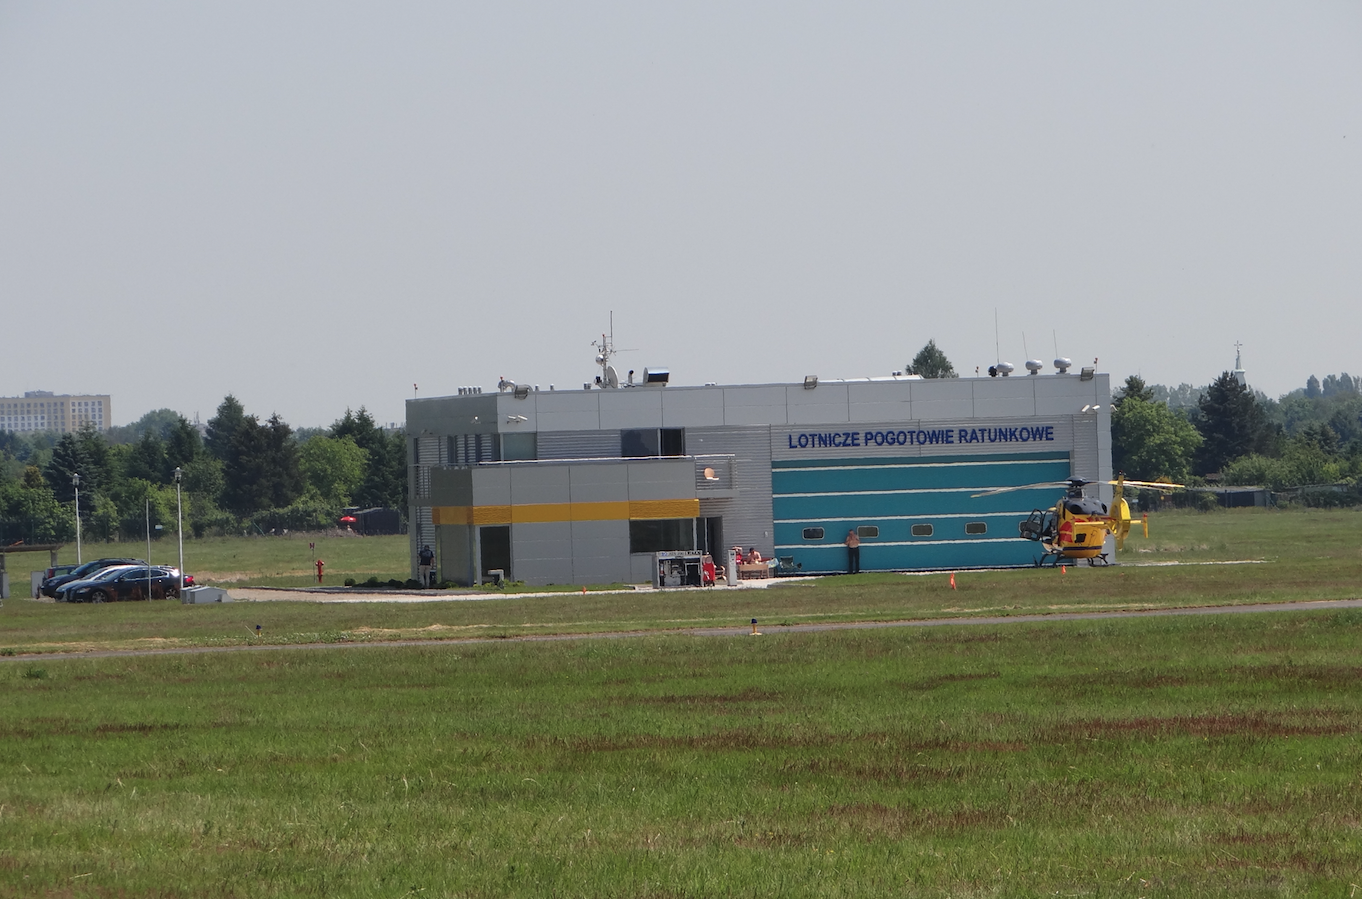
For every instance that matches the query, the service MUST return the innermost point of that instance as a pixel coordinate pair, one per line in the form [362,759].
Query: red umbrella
[349,519]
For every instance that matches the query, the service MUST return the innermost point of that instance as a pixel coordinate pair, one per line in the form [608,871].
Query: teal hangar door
[913,512]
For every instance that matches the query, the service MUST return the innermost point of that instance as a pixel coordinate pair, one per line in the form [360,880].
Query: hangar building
[582,486]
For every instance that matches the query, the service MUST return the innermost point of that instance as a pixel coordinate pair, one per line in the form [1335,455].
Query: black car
[51,584]
[126,583]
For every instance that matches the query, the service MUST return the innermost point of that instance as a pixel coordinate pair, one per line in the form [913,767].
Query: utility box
[4,585]
[678,569]
[201,595]
[36,582]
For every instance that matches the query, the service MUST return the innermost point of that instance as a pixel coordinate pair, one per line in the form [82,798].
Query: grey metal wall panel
[600,552]
[747,515]
[880,401]
[453,414]
[539,484]
[509,410]
[682,408]
[640,407]
[763,405]
[543,572]
[661,479]
[640,568]
[934,400]
[824,404]
[451,487]
[491,486]
[605,483]
[570,410]
[1065,394]
[579,445]
[455,554]
[1005,397]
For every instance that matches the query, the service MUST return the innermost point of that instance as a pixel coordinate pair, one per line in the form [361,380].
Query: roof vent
[1033,366]
[1063,363]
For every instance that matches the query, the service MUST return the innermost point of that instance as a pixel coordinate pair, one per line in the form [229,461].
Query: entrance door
[496,549]
[712,536]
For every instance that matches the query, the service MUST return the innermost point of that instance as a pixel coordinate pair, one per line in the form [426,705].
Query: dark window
[867,531]
[644,442]
[662,535]
[922,530]
[673,441]
[495,544]
[813,533]
[639,442]
[976,527]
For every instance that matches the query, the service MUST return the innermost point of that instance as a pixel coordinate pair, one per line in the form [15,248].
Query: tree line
[242,474]
[1311,436]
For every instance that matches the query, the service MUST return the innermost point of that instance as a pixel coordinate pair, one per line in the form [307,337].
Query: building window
[661,535]
[642,443]
[813,533]
[868,531]
[976,527]
[922,530]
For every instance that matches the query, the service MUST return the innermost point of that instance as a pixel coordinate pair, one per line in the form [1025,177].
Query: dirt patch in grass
[1305,722]
[742,697]
[941,680]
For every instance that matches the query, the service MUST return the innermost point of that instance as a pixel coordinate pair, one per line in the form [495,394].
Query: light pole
[179,526]
[75,482]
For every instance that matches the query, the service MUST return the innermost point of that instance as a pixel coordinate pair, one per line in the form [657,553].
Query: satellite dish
[612,377]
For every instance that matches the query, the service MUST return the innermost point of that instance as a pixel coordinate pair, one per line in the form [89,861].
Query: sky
[317,206]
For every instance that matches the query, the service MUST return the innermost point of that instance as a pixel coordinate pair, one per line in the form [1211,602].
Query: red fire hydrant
[319,564]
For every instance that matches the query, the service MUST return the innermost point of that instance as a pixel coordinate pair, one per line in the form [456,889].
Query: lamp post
[75,482]
[179,526]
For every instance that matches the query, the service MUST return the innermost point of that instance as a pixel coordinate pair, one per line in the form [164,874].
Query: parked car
[52,584]
[126,583]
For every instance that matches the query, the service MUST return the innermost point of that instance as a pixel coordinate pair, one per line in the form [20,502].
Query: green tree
[930,362]
[222,427]
[183,444]
[147,460]
[1150,442]
[1232,423]
[1134,389]
[333,467]
[385,478]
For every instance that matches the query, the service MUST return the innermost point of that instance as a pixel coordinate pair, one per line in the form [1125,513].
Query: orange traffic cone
[1064,569]
[952,580]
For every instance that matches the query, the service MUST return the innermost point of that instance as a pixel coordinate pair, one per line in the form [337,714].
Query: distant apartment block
[42,410]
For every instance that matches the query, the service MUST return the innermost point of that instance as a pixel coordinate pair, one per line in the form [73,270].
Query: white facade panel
[539,484]
[1068,394]
[682,408]
[763,405]
[599,484]
[880,401]
[1010,397]
[570,410]
[637,408]
[824,404]
[936,400]
[509,408]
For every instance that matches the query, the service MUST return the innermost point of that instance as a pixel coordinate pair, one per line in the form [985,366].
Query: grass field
[1304,555]
[1146,757]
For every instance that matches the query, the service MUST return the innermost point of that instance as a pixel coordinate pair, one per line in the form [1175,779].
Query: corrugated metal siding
[1086,463]
[747,516]
[430,453]
[579,445]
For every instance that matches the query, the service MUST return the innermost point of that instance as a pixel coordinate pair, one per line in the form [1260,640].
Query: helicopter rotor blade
[994,491]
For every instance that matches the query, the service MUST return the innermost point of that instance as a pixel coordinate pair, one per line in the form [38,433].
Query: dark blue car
[126,583]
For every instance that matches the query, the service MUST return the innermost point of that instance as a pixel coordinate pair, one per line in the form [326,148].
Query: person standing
[853,542]
[426,558]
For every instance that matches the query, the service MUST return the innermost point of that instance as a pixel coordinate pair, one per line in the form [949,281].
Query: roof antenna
[997,353]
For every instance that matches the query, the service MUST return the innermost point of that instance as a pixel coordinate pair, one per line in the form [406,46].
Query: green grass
[264,561]
[1309,555]
[1168,757]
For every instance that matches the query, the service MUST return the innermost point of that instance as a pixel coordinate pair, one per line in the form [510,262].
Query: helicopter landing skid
[1054,557]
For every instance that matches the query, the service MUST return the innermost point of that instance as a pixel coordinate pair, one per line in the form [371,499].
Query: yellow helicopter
[1076,528]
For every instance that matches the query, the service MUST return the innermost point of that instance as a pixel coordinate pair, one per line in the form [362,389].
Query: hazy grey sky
[315,206]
